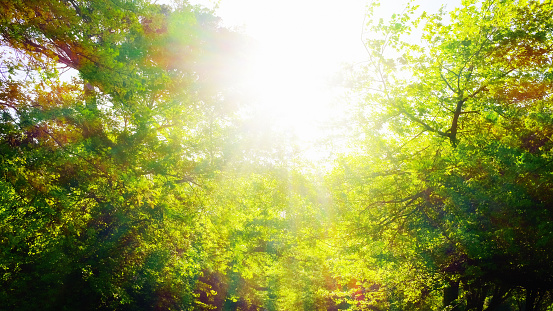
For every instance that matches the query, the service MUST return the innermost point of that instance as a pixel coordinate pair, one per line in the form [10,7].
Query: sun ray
[301,46]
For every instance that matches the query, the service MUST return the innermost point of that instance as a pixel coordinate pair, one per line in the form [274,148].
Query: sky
[302,46]
[323,29]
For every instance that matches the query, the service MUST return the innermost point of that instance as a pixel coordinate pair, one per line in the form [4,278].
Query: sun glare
[290,88]
[301,45]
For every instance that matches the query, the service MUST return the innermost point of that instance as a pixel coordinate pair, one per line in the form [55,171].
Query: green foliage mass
[103,165]
[130,178]
[453,172]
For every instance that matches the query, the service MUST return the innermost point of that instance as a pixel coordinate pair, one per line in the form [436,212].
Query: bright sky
[302,46]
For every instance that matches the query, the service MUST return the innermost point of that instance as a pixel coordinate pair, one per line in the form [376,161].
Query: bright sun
[301,45]
[291,89]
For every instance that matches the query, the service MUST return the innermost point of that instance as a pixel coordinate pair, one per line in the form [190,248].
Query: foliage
[102,151]
[132,179]
[453,170]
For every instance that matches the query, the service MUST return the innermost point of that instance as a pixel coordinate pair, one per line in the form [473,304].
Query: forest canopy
[134,175]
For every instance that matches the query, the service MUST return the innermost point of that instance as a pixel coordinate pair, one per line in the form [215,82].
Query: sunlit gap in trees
[293,92]
[297,75]
[294,76]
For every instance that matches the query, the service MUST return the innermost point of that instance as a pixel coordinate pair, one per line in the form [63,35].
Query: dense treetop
[134,175]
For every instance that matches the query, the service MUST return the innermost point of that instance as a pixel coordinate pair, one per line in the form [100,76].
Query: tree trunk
[451,293]
[530,299]
[475,296]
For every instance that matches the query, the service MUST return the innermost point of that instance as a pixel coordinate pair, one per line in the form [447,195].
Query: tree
[100,161]
[454,191]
